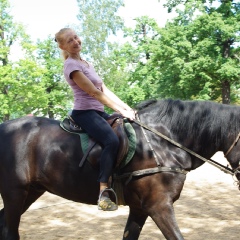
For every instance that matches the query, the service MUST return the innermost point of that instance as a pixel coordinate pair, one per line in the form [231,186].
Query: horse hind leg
[1,221]
[135,222]
[13,201]
[15,204]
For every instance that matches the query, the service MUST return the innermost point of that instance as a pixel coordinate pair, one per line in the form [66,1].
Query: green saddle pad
[130,132]
[131,141]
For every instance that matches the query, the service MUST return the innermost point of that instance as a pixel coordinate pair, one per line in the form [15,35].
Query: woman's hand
[128,113]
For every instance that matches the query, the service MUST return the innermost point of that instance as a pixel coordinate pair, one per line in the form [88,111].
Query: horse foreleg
[159,204]
[163,215]
[135,222]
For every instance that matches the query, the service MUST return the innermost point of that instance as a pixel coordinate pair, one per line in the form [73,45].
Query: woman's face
[72,43]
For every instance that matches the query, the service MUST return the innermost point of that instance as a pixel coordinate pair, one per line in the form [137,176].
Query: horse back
[36,151]
[22,142]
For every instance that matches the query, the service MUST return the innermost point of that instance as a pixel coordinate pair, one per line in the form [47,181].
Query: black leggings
[95,124]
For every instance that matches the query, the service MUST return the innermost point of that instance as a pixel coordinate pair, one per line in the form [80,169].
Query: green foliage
[56,90]
[117,75]
[19,91]
[140,83]
[98,20]
[193,56]
[29,84]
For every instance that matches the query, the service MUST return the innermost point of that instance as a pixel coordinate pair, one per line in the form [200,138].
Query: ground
[207,209]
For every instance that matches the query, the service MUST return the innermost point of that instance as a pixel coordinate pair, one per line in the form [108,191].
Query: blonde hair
[59,38]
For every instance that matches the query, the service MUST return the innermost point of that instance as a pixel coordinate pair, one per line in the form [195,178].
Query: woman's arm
[114,97]
[114,103]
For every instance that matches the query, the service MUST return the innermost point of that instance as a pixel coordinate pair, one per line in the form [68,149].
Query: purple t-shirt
[82,100]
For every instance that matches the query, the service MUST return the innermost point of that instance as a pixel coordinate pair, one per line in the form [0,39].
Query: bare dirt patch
[207,209]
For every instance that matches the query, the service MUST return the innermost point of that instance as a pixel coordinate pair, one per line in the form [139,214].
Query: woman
[90,97]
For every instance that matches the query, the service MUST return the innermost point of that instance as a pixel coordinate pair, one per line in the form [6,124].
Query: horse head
[201,128]
[237,174]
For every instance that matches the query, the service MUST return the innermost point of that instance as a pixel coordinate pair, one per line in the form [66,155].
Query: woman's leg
[99,129]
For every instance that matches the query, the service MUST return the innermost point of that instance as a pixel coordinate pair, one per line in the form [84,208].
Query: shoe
[107,205]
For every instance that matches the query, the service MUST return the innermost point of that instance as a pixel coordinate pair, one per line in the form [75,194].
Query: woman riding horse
[90,96]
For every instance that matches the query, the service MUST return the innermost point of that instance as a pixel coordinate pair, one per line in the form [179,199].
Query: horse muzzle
[237,175]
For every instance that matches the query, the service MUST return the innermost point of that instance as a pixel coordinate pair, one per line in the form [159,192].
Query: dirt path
[207,209]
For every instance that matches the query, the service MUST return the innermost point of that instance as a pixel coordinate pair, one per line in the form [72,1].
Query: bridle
[231,147]
[237,169]
[223,168]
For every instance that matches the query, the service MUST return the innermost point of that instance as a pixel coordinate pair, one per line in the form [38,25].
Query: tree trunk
[226,83]
[6,117]
[50,112]
[226,92]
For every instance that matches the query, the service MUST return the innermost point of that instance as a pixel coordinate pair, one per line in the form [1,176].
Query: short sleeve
[71,66]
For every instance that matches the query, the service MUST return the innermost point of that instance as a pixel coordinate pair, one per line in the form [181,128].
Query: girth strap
[86,153]
[149,171]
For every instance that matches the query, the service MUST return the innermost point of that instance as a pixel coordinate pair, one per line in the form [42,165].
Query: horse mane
[145,104]
[206,121]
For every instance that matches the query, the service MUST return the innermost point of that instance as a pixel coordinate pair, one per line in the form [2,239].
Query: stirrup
[107,204]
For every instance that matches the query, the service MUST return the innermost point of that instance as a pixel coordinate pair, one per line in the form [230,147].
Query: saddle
[93,152]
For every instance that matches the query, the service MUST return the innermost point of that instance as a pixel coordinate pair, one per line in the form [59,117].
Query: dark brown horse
[36,156]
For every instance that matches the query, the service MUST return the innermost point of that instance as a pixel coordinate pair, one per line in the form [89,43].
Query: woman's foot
[104,202]
[107,205]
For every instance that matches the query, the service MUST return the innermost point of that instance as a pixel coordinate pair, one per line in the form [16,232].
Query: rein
[210,161]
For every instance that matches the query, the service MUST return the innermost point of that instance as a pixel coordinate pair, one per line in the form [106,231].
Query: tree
[57,93]
[204,50]
[119,77]
[141,81]
[99,22]
[33,81]
[143,74]
[19,88]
